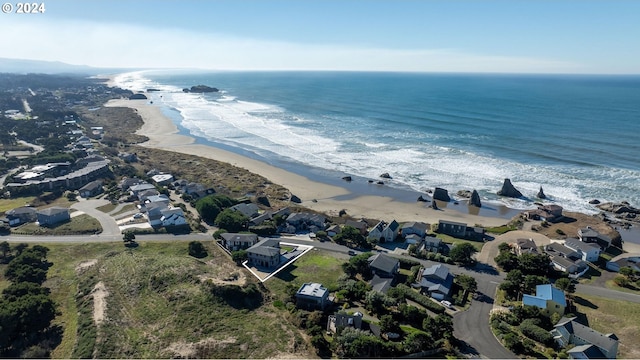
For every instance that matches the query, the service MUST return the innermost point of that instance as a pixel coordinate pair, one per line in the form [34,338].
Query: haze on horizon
[597,37]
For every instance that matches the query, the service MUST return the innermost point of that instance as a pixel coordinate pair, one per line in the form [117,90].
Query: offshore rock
[385,176]
[441,194]
[594,202]
[509,190]
[422,199]
[200,89]
[541,194]
[138,97]
[347,178]
[475,199]
[464,194]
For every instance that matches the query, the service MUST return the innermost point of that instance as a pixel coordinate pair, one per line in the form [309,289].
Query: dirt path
[100,294]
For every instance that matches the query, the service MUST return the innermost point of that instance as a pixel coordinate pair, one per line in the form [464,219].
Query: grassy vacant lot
[452,240]
[160,303]
[83,224]
[315,266]
[107,208]
[8,204]
[619,317]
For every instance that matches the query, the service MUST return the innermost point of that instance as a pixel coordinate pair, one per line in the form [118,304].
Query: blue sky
[456,36]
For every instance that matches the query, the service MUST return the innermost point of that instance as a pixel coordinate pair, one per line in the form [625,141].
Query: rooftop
[312,290]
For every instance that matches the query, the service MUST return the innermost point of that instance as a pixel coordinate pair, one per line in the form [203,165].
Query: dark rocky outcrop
[434,205]
[152,90]
[200,89]
[385,176]
[422,199]
[295,199]
[138,97]
[380,183]
[475,199]
[441,194]
[370,181]
[541,194]
[347,178]
[464,194]
[620,208]
[342,213]
[263,200]
[509,190]
[594,202]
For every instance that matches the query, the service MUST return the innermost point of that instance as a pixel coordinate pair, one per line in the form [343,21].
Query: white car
[137,216]
[446,304]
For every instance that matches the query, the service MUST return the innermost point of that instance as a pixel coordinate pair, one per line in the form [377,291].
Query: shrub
[420,299]
[536,333]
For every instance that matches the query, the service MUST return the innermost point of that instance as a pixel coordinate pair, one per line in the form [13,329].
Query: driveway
[109,226]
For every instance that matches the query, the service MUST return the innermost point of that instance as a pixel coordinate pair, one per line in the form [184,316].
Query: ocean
[577,136]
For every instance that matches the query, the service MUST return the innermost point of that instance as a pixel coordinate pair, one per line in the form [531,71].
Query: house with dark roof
[312,296]
[303,221]
[342,320]
[375,233]
[565,259]
[550,213]
[234,242]
[249,210]
[21,215]
[265,253]
[526,246]
[390,231]
[384,265]
[589,344]
[436,281]
[91,189]
[360,225]
[590,235]
[587,251]
[455,229]
[135,190]
[52,215]
[548,298]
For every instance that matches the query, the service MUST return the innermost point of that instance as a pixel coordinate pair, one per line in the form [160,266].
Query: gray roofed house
[234,242]
[555,249]
[436,281]
[126,183]
[588,251]
[390,232]
[452,228]
[592,344]
[21,215]
[341,320]
[417,228]
[590,235]
[360,225]
[52,215]
[526,246]
[91,189]
[568,265]
[265,253]
[136,189]
[376,232]
[248,210]
[384,265]
[306,221]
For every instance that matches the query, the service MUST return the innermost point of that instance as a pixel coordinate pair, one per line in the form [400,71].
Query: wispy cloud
[121,45]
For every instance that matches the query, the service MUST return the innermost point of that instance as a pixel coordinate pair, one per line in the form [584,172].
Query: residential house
[162,179]
[173,217]
[587,251]
[526,246]
[436,281]
[548,298]
[341,320]
[91,189]
[265,253]
[384,265]
[127,157]
[52,215]
[334,230]
[154,212]
[417,228]
[306,221]
[452,228]
[589,344]
[390,231]
[549,213]
[126,183]
[413,239]
[565,259]
[432,243]
[249,210]
[144,196]
[312,296]
[159,199]
[234,242]
[556,249]
[135,190]
[21,215]
[360,225]
[375,234]
[589,235]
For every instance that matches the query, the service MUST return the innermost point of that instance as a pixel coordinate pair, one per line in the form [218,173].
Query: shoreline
[377,202]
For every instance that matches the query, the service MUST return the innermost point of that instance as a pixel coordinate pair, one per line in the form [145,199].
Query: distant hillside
[22,66]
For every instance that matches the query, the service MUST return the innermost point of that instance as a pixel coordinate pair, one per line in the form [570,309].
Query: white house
[588,251]
[417,228]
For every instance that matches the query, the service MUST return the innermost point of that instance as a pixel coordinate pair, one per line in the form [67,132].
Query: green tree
[239,256]
[30,266]
[504,247]
[208,208]
[534,264]
[351,235]
[507,260]
[389,324]
[358,264]
[234,221]
[462,253]
[467,282]
[417,341]
[5,248]
[197,250]
[530,282]
[128,236]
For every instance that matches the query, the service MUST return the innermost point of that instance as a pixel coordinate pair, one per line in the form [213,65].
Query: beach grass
[8,204]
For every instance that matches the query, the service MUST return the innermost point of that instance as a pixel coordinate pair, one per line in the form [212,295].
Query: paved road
[109,226]
[606,293]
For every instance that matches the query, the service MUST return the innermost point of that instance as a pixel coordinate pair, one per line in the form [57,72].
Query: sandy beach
[163,134]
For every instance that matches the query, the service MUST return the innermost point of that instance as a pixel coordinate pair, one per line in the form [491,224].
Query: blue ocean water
[576,136]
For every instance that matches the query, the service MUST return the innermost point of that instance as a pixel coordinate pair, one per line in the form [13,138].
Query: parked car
[446,304]
[351,253]
[137,216]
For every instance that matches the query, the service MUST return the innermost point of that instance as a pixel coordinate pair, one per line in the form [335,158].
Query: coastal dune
[164,134]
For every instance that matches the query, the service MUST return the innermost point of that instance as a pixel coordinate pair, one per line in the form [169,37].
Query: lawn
[163,303]
[79,225]
[315,266]
[452,240]
[619,317]
[107,208]
[8,204]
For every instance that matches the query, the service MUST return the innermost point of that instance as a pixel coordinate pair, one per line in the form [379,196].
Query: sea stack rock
[475,199]
[347,178]
[594,202]
[385,176]
[422,199]
[441,194]
[509,190]
[138,97]
[541,194]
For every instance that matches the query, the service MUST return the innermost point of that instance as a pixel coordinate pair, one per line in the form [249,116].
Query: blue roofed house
[548,298]
[436,281]
[588,343]
[52,215]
